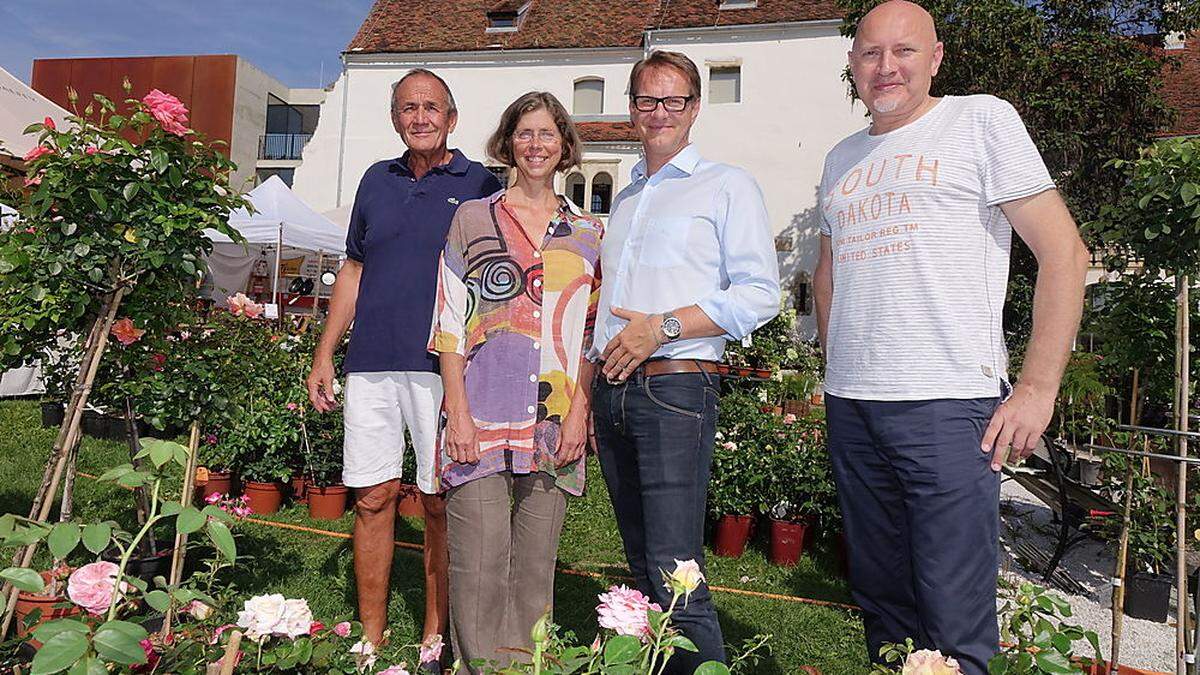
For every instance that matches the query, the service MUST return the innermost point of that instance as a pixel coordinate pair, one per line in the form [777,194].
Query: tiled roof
[461,25]
[606,132]
[1181,88]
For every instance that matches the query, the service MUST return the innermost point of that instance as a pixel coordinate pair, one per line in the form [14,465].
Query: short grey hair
[428,73]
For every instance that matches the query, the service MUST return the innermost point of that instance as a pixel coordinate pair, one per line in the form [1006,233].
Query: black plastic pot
[52,414]
[158,565]
[1147,596]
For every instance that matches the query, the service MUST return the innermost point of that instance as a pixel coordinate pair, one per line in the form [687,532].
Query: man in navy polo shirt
[398,227]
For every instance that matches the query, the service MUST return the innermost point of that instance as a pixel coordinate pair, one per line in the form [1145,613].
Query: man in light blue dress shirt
[688,262]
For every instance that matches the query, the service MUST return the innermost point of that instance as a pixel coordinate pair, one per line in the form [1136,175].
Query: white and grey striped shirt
[921,251]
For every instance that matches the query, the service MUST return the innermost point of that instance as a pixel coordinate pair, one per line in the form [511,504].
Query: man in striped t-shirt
[919,210]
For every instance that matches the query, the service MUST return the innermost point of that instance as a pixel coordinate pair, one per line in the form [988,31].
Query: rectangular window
[737,4]
[725,85]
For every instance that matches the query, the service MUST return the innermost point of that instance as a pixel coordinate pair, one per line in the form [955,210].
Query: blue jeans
[920,505]
[655,440]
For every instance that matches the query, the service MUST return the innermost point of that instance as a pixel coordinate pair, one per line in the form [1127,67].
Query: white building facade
[773,101]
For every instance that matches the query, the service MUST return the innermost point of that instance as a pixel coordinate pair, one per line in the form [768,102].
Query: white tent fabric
[282,215]
[21,106]
[8,216]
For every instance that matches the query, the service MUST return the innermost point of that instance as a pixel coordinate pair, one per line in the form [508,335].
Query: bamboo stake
[229,660]
[1182,400]
[68,438]
[189,486]
[1118,593]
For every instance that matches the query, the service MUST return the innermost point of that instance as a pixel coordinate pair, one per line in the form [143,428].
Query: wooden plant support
[1118,593]
[59,461]
[178,554]
[1182,399]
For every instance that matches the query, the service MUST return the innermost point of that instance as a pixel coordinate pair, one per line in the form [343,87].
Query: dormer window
[506,17]
[737,4]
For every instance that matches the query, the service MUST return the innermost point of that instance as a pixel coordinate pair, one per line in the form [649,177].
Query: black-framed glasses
[672,104]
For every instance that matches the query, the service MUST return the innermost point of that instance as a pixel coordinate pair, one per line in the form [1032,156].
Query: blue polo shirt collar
[457,165]
[684,161]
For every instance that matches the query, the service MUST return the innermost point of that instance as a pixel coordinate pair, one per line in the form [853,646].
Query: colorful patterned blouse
[522,316]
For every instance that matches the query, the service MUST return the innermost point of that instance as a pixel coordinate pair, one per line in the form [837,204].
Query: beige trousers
[503,537]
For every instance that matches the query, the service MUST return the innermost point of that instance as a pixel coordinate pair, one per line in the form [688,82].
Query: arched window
[589,96]
[576,189]
[602,187]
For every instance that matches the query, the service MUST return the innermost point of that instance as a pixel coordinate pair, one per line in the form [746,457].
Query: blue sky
[289,39]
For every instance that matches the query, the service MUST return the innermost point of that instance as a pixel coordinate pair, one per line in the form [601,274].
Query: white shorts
[378,408]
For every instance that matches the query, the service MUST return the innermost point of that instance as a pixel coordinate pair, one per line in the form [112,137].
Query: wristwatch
[671,327]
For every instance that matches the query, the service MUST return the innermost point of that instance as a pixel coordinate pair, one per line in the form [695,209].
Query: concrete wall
[794,107]
[251,95]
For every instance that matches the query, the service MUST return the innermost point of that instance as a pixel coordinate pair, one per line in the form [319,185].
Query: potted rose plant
[738,470]
[799,492]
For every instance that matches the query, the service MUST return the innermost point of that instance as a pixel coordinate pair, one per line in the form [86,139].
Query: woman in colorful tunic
[517,293]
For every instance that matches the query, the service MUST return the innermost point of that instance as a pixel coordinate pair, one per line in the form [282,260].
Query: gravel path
[1024,518]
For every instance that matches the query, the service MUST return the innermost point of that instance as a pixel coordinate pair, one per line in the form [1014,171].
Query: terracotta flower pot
[327,503]
[300,489]
[787,541]
[410,501]
[219,482]
[263,498]
[731,536]
[50,607]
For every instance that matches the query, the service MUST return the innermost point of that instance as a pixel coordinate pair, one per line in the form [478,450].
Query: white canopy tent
[21,106]
[8,216]
[283,223]
[18,381]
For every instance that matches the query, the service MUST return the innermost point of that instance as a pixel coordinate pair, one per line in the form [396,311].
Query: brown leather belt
[673,366]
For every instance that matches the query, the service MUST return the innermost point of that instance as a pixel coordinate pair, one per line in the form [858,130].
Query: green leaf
[98,199]
[129,191]
[82,249]
[160,454]
[95,275]
[115,472]
[88,666]
[222,539]
[158,159]
[1053,662]
[712,668]
[120,641]
[96,536]
[171,508]
[55,268]
[63,539]
[158,600]
[1188,192]
[23,578]
[621,649]
[59,653]
[46,631]
[133,479]
[190,520]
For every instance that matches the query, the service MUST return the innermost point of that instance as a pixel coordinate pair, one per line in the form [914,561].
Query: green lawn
[300,564]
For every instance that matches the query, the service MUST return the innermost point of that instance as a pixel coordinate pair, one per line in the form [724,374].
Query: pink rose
[91,150]
[789,418]
[316,627]
[151,655]
[30,230]
[49,124]
[342,629]
[292,406]
[240,305]
[623,610]
[91,586]
[168,110]
[37,151]
[32,181]
[217,633]
[394,670]
[431,649]
[198,610]
[214,498]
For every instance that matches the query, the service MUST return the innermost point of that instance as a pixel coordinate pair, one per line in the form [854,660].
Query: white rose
[261,616]
[297,618]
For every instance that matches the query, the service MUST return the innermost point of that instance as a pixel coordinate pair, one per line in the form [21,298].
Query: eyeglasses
[672,104]
[545,135]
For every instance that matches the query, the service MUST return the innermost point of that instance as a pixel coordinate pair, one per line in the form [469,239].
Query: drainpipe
[342,130]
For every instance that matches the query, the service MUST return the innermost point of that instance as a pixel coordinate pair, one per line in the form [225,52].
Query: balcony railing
[282,146]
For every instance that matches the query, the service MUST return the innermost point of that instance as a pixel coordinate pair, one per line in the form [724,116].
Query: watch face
[672,328]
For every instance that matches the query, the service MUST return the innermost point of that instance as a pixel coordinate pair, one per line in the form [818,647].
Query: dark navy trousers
[920,505]
[655,440]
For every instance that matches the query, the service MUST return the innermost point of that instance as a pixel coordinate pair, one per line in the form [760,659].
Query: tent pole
[275,283]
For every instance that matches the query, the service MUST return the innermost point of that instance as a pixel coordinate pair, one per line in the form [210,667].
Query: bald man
[919,210]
